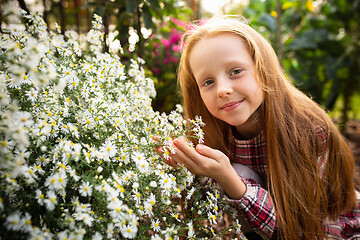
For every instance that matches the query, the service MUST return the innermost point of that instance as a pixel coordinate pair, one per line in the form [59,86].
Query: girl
[231,77]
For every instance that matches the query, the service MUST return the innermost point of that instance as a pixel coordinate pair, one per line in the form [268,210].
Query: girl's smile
[231,105]
[225,74]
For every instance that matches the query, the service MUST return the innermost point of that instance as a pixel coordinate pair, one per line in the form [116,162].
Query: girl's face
[225,74]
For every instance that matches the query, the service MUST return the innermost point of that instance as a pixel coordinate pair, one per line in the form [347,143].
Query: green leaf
[309,39]
[155,4]
[147,17]
[268,21]
[132,5]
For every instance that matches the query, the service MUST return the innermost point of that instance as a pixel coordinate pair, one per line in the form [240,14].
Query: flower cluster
[77,157]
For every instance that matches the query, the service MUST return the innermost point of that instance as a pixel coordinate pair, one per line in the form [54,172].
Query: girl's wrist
[232,184]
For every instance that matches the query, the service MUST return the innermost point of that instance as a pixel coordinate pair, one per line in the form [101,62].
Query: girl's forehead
[224,42]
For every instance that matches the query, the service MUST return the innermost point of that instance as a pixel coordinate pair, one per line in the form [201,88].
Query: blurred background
[317,42]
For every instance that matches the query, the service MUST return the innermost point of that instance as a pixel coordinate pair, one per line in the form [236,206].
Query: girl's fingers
[182,145]
[171,162]
[182,158]
[210,153]
[167,160]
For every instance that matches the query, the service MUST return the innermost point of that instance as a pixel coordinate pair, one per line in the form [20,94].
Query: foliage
[160,18]
[77,157]
[320,41]
[162,55]
[138,15]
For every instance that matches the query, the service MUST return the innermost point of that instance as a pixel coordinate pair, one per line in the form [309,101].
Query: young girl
[231,77]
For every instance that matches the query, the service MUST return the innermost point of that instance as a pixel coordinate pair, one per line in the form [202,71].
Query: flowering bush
[77,157]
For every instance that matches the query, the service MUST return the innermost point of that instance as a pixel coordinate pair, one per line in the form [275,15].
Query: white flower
[109,149]
[191,232]
[129,231]
[143,166]
[110,230]
[155,225]
[138,156]
[6,145]
[1,204]
[29,174]
[38,234]
[85,189]
[13,222]
[135,185]
[99,169]
[97,236]
[40,197]
[12,11]
[156,237]
[93,37]
[85,217]
[179,108]
[56,181]
[148,207]
[136,196]
[190,193]
[4,98]
[153,184]
[27,227]
[212,218]
[63,235]
[51,200]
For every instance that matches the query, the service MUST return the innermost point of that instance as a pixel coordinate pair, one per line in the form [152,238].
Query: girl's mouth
[231,105]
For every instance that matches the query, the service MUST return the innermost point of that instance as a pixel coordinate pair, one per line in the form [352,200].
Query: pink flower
[175,37]
[174,59]
[166,60]
[178,22]
[176,48]
[157,71]
[191,26]
[165,42]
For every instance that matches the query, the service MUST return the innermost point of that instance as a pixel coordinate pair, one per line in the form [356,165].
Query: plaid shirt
[256,205]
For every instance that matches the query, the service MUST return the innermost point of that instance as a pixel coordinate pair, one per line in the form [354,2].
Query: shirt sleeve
[258,209]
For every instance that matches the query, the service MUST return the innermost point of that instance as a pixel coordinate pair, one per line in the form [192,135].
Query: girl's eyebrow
[201,77]
[238,62]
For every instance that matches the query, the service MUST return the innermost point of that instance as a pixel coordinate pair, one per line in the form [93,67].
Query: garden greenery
[77,158]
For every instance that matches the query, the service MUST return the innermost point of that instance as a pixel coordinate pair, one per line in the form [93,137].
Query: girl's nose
[224,89]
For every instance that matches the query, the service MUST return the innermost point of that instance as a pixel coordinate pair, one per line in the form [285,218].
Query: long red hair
[303,197]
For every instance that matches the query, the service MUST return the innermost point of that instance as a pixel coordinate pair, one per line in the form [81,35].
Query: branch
[23,6]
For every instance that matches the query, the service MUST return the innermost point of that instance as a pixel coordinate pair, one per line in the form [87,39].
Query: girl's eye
[208,82]
[235,72]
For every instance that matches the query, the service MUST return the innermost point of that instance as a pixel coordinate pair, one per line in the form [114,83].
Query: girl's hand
[168,161]
[205,161]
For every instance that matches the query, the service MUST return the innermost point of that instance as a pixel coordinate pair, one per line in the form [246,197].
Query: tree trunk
[333,94]
[106,20]
[89,16]
[346,108]
[140,44]
[279,33]
[1,19]
[62,16]
[45,14]
[77,15]
[23,6]
[195,8]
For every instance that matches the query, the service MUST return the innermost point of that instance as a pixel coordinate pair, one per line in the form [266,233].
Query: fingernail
[181,138]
